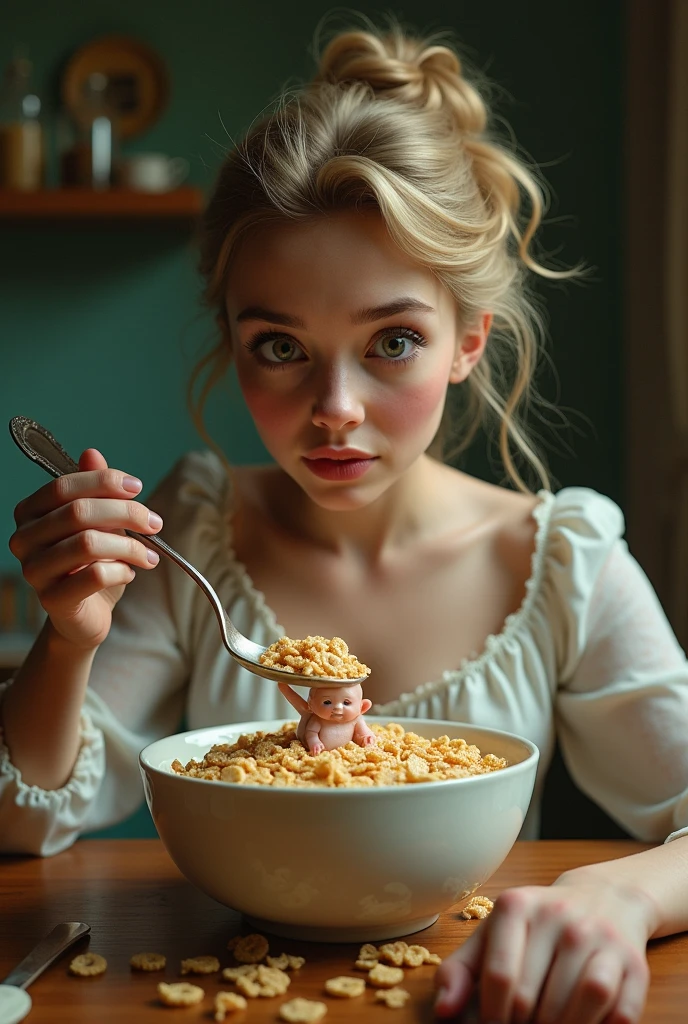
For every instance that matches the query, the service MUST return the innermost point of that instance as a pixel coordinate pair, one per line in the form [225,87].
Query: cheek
[271,411]
[410,407]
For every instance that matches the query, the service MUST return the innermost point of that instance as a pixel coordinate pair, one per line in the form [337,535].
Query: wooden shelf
[114,204]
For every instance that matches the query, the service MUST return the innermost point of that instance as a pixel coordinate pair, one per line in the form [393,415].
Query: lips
[339,469]
[338,454]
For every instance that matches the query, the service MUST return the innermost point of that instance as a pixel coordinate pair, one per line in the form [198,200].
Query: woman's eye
[397,347]
[281,350]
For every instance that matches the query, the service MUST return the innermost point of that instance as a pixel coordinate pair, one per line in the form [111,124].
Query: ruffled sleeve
[622,698]
[138,682]
[34,820]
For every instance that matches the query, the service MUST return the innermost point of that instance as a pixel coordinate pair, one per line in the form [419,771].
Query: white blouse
[588,655]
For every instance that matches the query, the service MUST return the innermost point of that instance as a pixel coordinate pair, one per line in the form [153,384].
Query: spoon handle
[47,950]
[41,447]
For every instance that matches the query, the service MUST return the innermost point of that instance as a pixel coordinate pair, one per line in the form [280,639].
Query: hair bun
[411,70]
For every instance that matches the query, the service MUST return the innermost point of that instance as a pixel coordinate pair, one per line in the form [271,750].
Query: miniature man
[331,717]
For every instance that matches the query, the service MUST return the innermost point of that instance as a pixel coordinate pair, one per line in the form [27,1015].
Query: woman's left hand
[570,953]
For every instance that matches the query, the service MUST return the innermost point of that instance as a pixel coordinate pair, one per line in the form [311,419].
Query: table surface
[135,900]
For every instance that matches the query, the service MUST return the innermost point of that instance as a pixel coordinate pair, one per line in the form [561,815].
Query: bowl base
[356,933]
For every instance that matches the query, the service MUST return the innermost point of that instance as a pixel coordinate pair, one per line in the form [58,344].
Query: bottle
[22,146]
[92,159]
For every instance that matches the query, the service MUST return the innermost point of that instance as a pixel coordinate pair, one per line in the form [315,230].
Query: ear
[469,349]
[366,705]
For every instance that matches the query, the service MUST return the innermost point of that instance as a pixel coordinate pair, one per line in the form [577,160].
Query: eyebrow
[405,304]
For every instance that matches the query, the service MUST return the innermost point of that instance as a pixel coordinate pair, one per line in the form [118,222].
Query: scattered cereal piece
[295,963]
[180,993]
[314,656]
[233,942]
[245,971]
[479,907]
[228,1002]
[344,987]
[281,962]
[398,758]
[248,986]
[302,1011]
[365,965]
[433,958]
[272,981]
[393,952]
[200,965]
[88,964]
[251,949]
[395,998]
[147,961]
[267,982]
[368,952]
[382,976]
[414,956]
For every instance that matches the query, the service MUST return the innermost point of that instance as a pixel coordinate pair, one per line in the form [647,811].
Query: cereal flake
[395,998]
[302,1011]
[344,987]
[86,965]
[180,993]
[228,1002]
[148,962]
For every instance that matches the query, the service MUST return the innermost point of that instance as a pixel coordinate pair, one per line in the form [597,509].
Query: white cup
[154,172]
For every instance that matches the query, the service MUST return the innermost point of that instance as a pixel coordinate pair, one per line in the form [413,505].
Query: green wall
[100,325]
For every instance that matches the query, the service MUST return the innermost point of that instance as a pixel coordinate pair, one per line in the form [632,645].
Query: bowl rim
[346,792]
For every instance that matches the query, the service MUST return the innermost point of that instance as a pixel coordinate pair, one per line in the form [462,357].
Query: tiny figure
[331,717]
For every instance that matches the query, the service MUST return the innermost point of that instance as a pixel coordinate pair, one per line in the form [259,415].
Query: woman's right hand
[72,547]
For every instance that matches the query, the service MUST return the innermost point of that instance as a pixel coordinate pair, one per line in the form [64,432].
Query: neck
[406,510]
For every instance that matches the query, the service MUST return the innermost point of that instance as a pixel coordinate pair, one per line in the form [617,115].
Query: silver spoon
[15,1001]
[42,448]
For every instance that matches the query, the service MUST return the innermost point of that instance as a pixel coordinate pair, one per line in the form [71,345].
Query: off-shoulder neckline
[494,642]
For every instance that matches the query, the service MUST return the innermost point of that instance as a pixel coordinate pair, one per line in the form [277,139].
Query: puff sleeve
[622,699]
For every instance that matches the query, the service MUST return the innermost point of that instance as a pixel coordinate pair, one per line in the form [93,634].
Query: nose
[338,402]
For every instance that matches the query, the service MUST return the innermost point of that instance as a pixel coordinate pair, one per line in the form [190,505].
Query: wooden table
[135,900]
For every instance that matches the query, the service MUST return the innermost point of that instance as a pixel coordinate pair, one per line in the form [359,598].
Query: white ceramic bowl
[339,865]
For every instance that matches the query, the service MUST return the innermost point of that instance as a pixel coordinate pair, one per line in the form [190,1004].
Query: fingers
[96,482]
[534,962]
[82,514]
[53,563]
[70,591]
[507,948]
[589,990]
[631,999]
[92,459]
[456,976]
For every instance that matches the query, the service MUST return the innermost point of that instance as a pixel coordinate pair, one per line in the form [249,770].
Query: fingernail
[154,521]
[132,483]
[152,556]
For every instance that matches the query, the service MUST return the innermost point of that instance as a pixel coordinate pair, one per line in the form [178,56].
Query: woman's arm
[659,875]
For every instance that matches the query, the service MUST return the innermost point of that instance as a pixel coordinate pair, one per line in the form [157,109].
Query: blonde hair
[391,123]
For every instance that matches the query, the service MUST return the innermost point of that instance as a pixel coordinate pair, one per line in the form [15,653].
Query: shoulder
[583,528]
[196,477]
[193,499]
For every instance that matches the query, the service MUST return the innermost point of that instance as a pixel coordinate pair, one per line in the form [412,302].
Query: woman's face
[344,349]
